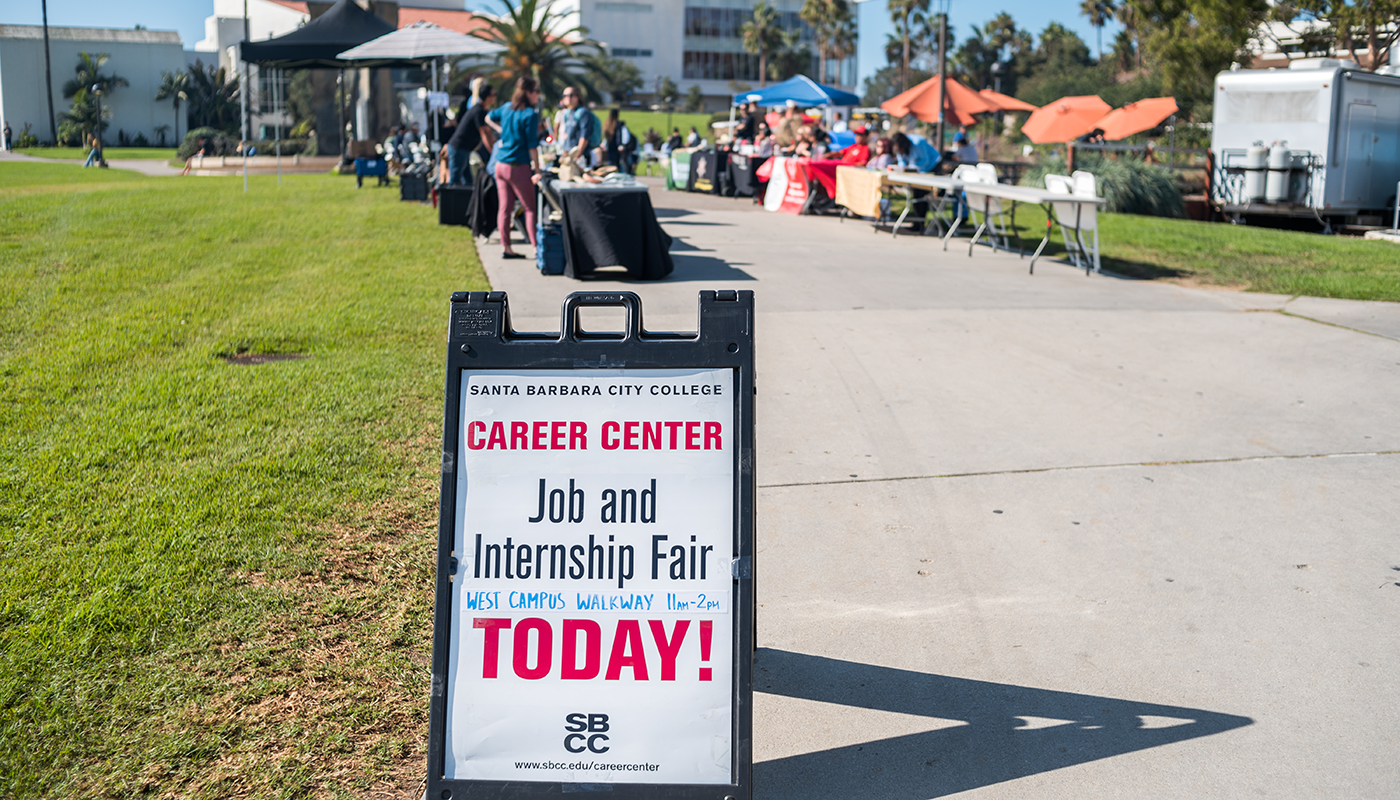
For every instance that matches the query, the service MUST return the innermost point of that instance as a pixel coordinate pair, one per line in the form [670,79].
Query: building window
[265,81]
[700,65]
[631,52]
[728,23]
[626,8]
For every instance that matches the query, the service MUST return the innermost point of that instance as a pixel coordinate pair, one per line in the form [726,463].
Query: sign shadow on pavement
[1006,732]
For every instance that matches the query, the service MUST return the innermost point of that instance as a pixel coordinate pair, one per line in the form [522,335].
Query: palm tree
[540,43]
[1099,13]
[88,75]
[213,98]
[763,35]
[1128,17]
[174,86]
[832,28]
[906,14]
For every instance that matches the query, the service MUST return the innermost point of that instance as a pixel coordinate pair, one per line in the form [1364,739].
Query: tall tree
[87,74]
[793,57]
[539,42]
[616,76]
[1315,22]
[1188,42]
[84,117]
[213,98]
[174,86]
[1099,12]
[907,15]
[833,29]
[763,35]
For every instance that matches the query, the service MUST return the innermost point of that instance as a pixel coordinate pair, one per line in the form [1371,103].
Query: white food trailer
[1320,139]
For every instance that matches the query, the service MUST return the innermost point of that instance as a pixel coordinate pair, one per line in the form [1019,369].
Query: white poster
[592,605]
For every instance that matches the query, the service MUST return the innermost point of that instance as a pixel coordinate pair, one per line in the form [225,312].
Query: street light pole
[942,73]
[97,95]
[48,74]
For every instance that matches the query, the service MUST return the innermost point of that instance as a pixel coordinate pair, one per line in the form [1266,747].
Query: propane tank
[1280,158]
[1255,159]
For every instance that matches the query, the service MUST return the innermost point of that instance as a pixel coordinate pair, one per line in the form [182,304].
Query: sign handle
[569,329]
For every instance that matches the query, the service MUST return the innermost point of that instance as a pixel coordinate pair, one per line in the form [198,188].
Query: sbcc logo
[594,725]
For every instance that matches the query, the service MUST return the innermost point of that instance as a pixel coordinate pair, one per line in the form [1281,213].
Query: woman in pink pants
[518,163]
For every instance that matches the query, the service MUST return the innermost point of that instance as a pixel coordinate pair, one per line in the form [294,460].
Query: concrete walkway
[154,167]
[1050,535]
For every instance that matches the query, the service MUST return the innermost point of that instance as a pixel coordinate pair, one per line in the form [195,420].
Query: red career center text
[567,435]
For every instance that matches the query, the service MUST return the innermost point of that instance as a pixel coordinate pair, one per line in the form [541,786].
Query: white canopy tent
[415,44]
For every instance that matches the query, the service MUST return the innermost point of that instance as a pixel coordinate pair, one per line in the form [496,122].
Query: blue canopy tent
[801,90]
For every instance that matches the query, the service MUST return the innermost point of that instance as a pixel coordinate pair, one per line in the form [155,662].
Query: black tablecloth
[612,227]
[709,173]
[741,174]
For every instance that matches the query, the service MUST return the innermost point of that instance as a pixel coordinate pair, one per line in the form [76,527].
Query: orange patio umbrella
[1005,102]
[923,100]
[1066,119]
[1144,115]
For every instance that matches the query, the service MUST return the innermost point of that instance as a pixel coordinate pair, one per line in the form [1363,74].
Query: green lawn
[639,121]
[215,578]
[1256,259]
[109,152]
[1236,256]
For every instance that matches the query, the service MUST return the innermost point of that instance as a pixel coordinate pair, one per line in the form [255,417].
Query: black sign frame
[480,337]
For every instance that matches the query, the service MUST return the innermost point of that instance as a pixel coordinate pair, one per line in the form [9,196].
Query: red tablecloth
[824,172]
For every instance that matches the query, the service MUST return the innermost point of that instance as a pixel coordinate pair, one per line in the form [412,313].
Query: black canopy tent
[318,43]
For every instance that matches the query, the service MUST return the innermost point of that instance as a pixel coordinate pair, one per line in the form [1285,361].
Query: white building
[139,56]
[693,42]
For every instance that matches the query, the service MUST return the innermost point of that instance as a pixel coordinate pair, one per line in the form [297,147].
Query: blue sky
[187,17]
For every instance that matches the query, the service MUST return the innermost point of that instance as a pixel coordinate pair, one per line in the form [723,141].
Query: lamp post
[97,95]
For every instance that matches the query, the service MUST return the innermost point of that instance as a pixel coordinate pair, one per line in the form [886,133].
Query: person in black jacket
[472,133]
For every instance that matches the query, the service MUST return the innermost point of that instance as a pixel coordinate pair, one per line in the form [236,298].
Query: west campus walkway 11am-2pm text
[1050,535]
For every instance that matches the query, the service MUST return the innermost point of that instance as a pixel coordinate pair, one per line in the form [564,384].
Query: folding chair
[993,218]
[1076,217]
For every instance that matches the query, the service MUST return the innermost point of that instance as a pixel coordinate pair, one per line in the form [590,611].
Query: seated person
[808,144]
[857,154]
[674,142]
[763,141]
[913,153]
[883,157]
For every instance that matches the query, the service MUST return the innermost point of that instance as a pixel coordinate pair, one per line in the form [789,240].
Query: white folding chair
[1081,218]
[993,219]
[1086,185]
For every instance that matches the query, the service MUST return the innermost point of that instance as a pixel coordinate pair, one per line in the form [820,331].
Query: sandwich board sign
[593,630]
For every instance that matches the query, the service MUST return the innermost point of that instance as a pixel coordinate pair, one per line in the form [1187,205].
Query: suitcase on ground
[454,202]
[549,248]
[413,187]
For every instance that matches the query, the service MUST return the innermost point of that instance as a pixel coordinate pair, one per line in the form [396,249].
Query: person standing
[581,133]
[692,139]
[9,145]
[472,133]
[518,159]
[618,142]
[95,154]
[791,125]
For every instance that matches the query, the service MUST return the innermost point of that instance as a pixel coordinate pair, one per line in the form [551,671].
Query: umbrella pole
[243,111]
[277,119]
[340,110]
[942,81]
[430,103]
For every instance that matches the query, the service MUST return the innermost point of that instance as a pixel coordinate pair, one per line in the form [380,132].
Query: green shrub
[224,145]
[1128,184]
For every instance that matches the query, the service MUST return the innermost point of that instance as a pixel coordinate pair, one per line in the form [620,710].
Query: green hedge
[1128,184]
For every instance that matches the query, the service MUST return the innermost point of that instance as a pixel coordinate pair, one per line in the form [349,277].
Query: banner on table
[787,185]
